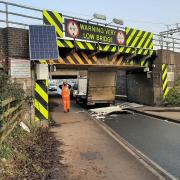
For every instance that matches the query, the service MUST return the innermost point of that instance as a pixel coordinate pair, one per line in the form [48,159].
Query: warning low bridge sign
[93,32]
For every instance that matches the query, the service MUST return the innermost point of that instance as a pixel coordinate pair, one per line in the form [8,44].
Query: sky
[152,15]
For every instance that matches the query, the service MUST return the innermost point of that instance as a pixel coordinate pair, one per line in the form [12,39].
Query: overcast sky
[151,15]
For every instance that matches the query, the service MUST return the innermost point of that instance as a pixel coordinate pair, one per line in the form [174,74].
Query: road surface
[157,139]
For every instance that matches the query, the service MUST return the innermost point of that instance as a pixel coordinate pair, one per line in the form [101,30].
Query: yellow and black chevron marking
[82,58]
[107,48]
[65,43]
[58,61]
[55,19]
[41,97]
[164,80]
[145,62]
[42,61]
[79,44]
[130,61]
[41,100]
[101,47]
[118,60]
[140,39]
[79,58]
[62,43]
[85,45]
[45,61]
[123,50]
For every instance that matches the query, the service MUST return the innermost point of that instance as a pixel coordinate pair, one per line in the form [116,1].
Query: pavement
[89,152]
[167,113]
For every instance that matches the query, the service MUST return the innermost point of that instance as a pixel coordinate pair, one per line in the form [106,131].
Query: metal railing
[160,41]
[9,20]
[7,12]
[166,43]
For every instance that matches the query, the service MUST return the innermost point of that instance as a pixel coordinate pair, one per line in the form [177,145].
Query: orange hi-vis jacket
[66,97]
[65,91]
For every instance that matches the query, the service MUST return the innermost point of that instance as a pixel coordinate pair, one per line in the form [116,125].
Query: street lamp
[98,16]
[118,21]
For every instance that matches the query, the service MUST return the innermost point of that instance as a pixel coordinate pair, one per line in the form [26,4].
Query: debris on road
[101,113]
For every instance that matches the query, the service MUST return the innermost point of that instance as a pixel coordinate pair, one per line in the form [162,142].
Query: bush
[9,89]
[173,97]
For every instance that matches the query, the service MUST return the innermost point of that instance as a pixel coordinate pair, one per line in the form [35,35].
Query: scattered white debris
[24,127]
[130,105]
[130,112]
[100,113]
[113,115]
[99,117]
[105,111]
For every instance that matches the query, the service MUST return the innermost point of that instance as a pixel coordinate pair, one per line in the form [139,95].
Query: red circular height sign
[73,29]
[120,37]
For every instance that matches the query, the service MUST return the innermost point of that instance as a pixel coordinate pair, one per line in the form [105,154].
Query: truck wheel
[84,103]
[76,101]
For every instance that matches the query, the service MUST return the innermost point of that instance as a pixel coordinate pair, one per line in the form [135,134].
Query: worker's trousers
[66,103]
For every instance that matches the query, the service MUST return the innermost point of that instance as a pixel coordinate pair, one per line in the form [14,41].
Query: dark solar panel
[42,42]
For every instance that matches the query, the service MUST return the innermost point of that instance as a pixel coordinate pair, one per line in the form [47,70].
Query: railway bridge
[82,44]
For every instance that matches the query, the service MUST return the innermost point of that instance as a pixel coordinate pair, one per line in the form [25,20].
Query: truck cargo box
[101,87]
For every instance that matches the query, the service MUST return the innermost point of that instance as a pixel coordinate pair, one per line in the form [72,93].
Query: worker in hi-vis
[66,96]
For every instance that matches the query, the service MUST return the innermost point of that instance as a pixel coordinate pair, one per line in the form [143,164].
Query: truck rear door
[101,87]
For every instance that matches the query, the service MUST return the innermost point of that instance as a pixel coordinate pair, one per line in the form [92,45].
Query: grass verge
[34,155]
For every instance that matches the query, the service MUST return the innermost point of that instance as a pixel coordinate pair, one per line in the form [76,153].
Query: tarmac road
[157,139]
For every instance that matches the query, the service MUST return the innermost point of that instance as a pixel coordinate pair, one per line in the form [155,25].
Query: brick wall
[3,42]
[140,88]
[172,59]
[3,48]
[18,43]
[14,42]
[121,86]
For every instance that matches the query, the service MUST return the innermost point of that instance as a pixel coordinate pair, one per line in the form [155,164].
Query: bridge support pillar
[41,99]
